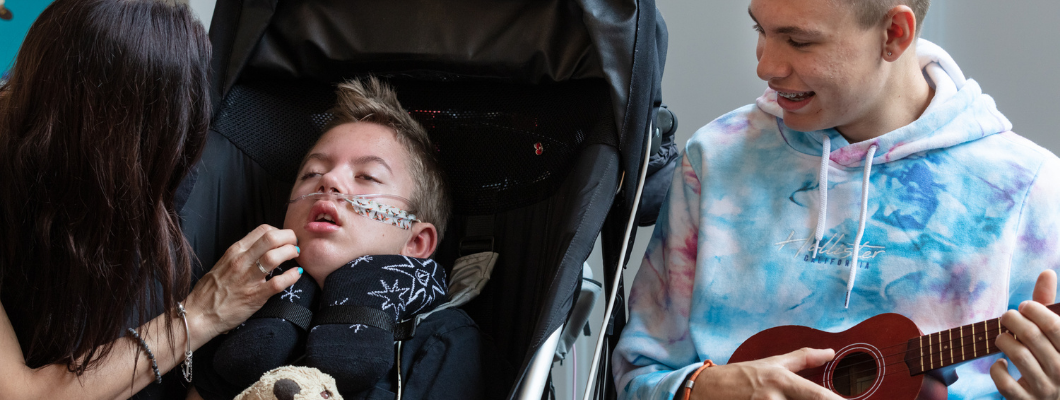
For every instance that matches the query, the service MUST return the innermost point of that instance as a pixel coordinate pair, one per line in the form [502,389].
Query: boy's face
[354,159]
[825,67]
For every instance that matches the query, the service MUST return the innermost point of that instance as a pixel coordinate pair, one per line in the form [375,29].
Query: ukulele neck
[957,345]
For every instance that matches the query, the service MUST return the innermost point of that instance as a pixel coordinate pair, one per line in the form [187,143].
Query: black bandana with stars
[403,286]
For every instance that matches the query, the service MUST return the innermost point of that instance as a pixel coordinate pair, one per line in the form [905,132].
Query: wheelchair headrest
[502,145]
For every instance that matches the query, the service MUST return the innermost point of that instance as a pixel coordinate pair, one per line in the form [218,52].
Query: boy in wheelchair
[368,206]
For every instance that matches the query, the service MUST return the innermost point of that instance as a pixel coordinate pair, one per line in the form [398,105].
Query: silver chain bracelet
[186,367]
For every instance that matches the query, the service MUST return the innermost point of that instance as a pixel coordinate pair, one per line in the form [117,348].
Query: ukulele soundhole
[854,374]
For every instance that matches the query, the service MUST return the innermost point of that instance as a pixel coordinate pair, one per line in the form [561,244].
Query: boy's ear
[423,241]
[901,32]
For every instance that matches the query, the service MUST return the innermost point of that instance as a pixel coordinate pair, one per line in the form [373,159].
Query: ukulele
[884,357]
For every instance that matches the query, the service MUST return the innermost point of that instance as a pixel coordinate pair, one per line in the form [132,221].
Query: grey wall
[204,9]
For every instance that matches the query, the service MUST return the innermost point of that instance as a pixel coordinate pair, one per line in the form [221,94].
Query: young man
[870,178]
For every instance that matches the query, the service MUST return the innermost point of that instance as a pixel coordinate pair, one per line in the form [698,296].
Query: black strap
[345,314]
[478,235]
[296,314]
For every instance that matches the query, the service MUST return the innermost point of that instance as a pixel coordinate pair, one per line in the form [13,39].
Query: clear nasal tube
[366,206]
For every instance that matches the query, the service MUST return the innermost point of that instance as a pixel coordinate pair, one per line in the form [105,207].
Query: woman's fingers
[235,288]
[247,241]
[283,281]
[273,258]
[269,242]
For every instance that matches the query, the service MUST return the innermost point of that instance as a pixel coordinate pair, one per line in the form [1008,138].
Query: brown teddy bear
[292,383]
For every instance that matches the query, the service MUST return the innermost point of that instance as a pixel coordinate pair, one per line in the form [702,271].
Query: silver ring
[262,269]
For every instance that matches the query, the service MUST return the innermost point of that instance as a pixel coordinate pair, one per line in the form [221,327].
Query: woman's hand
[768,378]
[235,288]
[1033,349]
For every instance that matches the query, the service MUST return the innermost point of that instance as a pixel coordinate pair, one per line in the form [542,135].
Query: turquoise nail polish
[298,249]
[299,270]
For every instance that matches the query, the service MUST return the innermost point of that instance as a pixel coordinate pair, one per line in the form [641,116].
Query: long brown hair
[105,112]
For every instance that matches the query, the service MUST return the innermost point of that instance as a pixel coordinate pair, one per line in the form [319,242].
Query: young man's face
[354,159]
[825,67]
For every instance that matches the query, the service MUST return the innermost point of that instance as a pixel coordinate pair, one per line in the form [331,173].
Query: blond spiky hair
[370,100]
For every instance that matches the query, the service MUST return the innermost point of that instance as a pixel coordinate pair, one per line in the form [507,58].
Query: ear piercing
[889,54]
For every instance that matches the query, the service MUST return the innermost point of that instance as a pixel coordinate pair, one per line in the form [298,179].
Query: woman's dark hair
[105,112]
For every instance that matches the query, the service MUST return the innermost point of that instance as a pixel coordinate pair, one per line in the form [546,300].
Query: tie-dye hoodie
[960,216]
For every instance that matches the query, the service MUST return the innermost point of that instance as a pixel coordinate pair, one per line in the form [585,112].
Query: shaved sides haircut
[871,12]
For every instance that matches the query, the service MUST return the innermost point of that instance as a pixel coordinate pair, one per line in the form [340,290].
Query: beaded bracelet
[150,355]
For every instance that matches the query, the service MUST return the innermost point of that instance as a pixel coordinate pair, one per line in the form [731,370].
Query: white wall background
[1011,48]
[204,9]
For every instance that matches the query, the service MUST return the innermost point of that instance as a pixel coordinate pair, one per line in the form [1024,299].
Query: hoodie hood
[958,113]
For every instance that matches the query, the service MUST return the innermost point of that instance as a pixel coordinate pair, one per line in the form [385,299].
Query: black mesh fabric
[507,146]
[275,123]
[503,146]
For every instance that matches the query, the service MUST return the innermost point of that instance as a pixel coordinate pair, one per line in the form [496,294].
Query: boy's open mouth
[324,212]
[325,217]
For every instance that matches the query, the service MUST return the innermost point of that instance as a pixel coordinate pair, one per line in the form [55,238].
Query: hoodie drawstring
[861,224]
[822,188]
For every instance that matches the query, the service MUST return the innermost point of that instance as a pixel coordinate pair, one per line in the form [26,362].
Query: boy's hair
[370,100]
[871,12]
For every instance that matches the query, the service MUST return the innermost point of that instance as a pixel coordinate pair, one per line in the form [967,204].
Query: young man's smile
[824,66]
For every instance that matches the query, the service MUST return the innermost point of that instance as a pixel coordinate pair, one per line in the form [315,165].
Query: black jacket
[448,358]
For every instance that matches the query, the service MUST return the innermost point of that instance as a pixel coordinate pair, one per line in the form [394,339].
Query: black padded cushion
[503,146]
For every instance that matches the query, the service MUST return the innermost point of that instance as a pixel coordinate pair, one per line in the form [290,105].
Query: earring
[889,54]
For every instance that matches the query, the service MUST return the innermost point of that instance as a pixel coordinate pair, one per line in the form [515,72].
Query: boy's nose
[330,183]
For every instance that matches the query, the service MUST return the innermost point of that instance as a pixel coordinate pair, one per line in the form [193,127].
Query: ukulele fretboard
[957,345]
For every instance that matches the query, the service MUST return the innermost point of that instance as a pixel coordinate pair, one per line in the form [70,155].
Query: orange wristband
[685,392]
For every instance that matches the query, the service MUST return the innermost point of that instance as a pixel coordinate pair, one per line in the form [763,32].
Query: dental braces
[365,206]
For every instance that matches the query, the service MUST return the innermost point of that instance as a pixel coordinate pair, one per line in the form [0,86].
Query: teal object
[13,32]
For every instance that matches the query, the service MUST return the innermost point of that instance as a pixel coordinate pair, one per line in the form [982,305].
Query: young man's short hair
[369,100]
[871,12]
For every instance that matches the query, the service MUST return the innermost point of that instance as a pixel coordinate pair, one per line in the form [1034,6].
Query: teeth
[325,217]
[794,96]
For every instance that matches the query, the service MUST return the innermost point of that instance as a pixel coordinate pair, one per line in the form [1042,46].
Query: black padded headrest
[502,145]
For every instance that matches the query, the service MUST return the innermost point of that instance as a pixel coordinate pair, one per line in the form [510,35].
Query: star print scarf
[398,285]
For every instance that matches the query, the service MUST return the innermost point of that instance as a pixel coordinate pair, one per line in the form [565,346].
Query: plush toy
[5,14]
[292,383]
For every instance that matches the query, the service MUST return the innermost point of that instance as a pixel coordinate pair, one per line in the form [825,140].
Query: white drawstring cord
[822,188]
[861,224]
